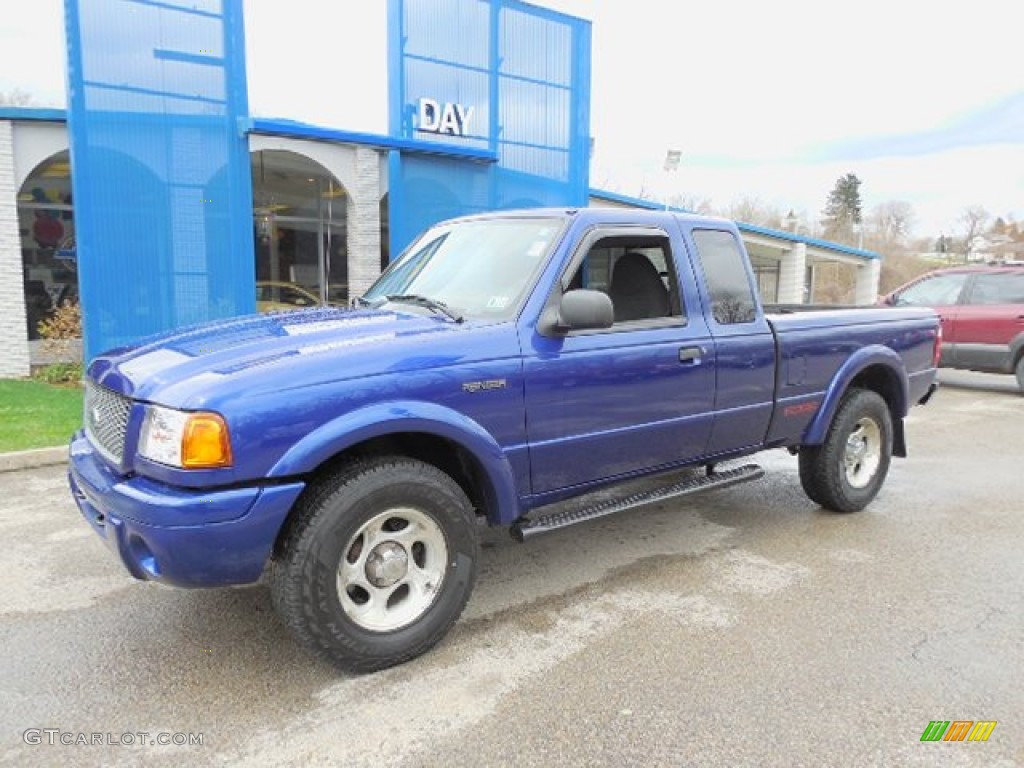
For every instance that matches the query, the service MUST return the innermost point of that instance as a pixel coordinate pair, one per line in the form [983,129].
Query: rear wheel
[1020,373]
[846,471]
[378,563]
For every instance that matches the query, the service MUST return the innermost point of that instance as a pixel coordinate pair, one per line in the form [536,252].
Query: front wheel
[378,563]
[1019,370]
[845,472]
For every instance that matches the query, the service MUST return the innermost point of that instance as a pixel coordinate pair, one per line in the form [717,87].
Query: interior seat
[637,290]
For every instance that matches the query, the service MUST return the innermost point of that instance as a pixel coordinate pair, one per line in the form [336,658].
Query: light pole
[672,158]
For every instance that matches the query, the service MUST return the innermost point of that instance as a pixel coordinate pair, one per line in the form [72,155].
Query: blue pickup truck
[504,363]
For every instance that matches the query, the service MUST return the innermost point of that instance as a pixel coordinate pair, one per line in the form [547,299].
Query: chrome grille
[106,420]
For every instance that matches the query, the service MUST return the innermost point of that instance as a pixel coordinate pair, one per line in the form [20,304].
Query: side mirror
[583,310]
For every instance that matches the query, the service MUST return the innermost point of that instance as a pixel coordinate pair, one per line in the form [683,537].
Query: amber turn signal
[205,443]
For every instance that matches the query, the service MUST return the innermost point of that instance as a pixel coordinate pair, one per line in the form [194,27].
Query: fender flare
[857,363]
[400,416]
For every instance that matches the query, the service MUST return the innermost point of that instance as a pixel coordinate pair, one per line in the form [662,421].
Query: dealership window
[300,226]
[385,234]
[47,228]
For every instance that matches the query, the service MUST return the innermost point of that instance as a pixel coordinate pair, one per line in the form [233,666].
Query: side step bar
[523,528]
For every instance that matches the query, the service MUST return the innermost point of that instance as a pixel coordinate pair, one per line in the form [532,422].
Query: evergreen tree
[843,209]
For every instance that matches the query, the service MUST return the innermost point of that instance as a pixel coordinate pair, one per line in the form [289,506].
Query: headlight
[187,440]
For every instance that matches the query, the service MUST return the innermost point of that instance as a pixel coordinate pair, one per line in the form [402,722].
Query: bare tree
[1014,229]
[701,205]
[752,210]
[834,283]
[889,225]
[888,231]
[972,223]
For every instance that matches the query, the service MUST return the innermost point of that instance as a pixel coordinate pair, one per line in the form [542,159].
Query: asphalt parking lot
[742,628]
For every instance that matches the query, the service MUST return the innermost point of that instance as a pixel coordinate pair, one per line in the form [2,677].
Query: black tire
[377,515]
[1019,370]
[845,473]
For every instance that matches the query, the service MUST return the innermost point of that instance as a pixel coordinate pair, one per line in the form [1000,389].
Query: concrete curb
[40,457]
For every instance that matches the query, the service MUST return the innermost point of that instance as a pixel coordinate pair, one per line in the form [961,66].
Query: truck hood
[191,367]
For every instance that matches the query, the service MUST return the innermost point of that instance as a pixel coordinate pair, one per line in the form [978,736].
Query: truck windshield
[478,269]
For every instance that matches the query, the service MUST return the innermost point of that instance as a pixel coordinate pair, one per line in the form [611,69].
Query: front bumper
[177,536]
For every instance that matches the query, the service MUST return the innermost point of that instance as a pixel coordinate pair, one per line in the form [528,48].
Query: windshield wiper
[425,301]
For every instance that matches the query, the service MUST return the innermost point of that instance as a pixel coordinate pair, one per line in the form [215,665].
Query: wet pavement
[742,627]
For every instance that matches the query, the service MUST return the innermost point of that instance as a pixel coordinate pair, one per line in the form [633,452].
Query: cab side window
[637,273]
[938,291]
[998,288]
[726,278]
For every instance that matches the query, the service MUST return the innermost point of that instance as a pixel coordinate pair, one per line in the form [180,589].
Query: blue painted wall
[158,116]
[161,182]
[525,73]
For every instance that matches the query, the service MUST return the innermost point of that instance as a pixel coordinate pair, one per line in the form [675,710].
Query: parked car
[981,309]
[272,296]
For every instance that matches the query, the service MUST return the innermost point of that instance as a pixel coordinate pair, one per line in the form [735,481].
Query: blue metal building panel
[523,71]
[161,183]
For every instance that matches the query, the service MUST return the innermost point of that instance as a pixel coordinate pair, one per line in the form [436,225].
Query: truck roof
[601,213]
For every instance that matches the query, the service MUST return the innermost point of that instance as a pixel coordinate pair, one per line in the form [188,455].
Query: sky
[772,101]
[777,100]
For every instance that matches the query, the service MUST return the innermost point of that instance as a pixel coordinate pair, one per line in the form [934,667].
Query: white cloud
[751,91]
[318,62]
[32,51]
[748,91]
[939,186]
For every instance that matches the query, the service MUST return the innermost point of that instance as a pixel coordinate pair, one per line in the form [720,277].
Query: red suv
[982,313]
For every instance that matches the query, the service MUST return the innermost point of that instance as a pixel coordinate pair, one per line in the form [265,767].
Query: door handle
[690,355]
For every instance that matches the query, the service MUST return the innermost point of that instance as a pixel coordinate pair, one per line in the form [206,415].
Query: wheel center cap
[856,450]
[387,564]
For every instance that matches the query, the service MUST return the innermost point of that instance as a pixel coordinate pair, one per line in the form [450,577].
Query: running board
[523,528]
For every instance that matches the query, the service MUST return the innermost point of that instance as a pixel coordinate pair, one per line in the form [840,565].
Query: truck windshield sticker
[537,249]
[497,302]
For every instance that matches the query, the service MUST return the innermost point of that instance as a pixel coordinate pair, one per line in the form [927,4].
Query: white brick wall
[792,275]
[868,277]
[364,223]
[14,355]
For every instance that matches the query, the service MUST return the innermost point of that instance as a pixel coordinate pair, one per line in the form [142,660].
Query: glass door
[299,213]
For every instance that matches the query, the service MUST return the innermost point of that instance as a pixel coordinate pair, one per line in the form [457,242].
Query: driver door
[607,403]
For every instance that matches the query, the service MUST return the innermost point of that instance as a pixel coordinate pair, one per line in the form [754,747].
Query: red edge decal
[799,410]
